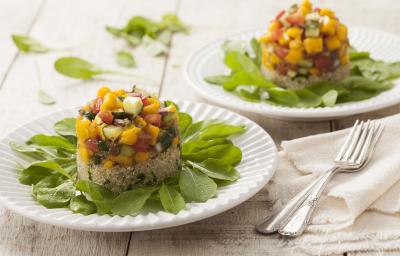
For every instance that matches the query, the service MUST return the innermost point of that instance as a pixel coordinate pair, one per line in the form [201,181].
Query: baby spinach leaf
[249,93]
[308,99]
[51,165]
[217,80]
[79,204]
[51,141]
[154,47]
[255,45]
[33,174]
[329,98]
[196,186]
[50,181]
[56,197]
[185,120]
[221,131]
[171,200]
[197,145]
[101,196]
[356,95]
[226,153]
[283,97]
[28,150]
[217,169]
[172,22]
[65,127]
[125,59]
[45,98]
[132,201]
[77,68]
[27,44]
[394,69]
[193,130]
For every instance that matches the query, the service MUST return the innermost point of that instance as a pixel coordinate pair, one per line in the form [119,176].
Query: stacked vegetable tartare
[127,139]
[305,45]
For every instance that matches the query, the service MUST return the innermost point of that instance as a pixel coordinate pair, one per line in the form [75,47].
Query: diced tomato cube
[280,14]
[91,144]
[143,143]
[276,34]
[154,119]
[281,52]
[145,101]
[296,19]
[106,116]
[96,104]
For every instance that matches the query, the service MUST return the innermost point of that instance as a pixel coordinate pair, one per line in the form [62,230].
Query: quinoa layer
[121,178]
[287,82]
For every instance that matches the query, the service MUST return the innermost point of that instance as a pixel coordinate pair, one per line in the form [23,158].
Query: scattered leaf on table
[27,44]
[125,59]
[45,98]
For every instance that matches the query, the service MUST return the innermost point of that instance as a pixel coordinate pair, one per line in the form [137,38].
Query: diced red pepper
[276,34]
[145,101]
[322,62]
[106,116]
[282,68]
[96,104]
[296,19]
[91,144]
[154,119]
[281,52]
[280,14]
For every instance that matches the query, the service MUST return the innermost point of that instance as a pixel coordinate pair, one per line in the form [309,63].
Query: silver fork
[353,156]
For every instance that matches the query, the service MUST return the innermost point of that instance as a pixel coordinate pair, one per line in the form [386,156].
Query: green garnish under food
[209,160]
[368,78]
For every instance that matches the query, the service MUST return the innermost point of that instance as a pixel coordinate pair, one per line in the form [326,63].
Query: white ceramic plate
[209,61]
[257,167]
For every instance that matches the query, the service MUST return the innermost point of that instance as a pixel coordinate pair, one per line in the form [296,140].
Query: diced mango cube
[313,45]
[141,156]
[103,91]
[267,38]
[294,32]
[274,59]
[84,153]
[332,43]
[294,56]
[295,44]
[175,141]
[341,32]
[313,71]
[92,129]
[123,160]
[307,4]
[82,129]
[130,135]
[152,108]
[120,92]
[110,102]
[108,164]
[140,122]
[274,25]
[344,60]
[304,10]
[329,27]
[154,131]
[327,12]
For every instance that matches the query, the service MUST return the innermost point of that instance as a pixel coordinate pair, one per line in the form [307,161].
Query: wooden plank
[64,24]
[23,15]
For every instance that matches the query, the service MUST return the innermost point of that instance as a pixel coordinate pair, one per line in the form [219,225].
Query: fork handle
[298,222]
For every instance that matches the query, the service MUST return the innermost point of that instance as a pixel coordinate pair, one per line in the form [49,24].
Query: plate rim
[281,112]
[193,217]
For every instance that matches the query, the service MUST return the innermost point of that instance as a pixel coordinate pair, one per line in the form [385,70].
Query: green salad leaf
[125,59]
[208,157]
[369,77]
[45,98]
[28,44]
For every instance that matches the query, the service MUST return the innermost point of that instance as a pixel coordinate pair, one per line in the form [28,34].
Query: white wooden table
[80,23]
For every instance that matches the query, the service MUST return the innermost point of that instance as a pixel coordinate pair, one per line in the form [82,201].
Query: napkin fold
[359,211]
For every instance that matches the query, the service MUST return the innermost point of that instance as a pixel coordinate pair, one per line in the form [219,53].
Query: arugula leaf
[221,131]
[329,98]
[125,59]
[65,127]
[216,169]
[33,174]
[79,204]
[217,80]
[255,45]
[77,68]
[226,153]
[51,141]
[197,145]
[196,186]
[171,200]
[356,95]
[171,22]
[29,150]
[308,99]
[56,197]
[249,93]
[283,97]
[27,44]
[194,128]
[101,196]
[50,181]
[51,165]
[45,98]
[132,201]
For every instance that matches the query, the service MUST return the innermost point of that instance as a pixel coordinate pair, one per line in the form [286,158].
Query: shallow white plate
[257,167]
[209,61]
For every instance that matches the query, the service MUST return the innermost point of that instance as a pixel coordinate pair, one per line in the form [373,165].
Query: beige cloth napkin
[359,211]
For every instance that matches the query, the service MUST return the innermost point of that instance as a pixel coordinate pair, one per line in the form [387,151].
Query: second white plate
[209,61]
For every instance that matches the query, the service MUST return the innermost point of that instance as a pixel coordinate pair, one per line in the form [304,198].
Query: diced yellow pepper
[84,153]
[294,32]
[344,60]
[154,131]
[274,59]
[274,26]
[296,44]
[329,27]
[93,129]
[140,122]
[284,40]
[103,91]
[265,38]
[294,56]
[332,43]
[130,135]
[108,164]
[313,71]
[313,45]
[82,129]
[124,160]
[341,32]
[110,102]
[304,10]
[307,4]
[327,12]
[152,108]
[120,92]
[141,156]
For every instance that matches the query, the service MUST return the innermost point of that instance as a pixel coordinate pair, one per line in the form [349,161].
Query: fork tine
[353,143]
[363,147]
[361,142]
[347,142]
[374,141]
